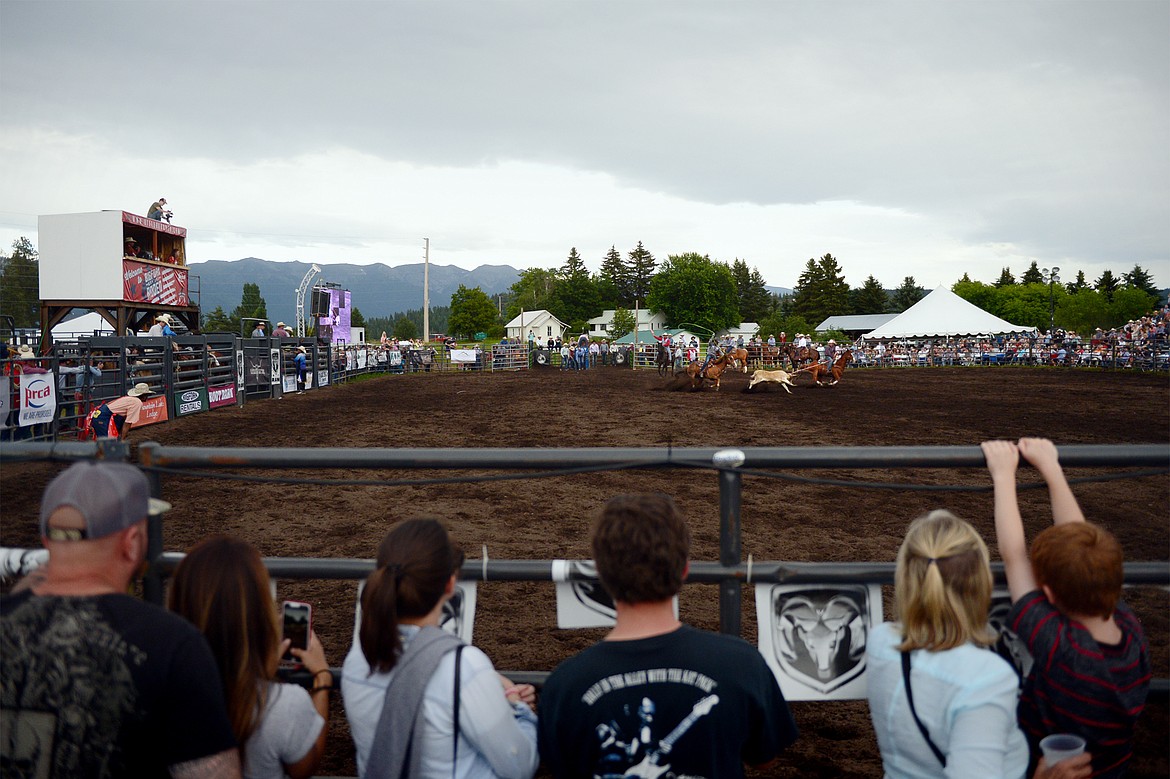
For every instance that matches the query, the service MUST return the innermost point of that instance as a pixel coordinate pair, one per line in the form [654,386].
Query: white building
[601,326]
[542,324]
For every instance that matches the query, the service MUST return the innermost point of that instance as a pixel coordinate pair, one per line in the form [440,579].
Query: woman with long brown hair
[419,702]
[222,587]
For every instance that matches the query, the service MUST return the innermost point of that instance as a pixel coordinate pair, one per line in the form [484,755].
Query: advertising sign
[222,395]
[323,377]
[334,326]
[153,410]
[257,370]
[191,401]
[148,283]
[38,398]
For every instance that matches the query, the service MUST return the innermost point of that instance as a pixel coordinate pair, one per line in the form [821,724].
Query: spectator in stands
[281,331]
[258,331]
[75,648]
[222,588]
[940,702]
[404,676]
[1092,666]
[114,418]
[130,248]
[691,702]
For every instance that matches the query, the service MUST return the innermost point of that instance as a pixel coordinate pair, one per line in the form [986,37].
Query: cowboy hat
[163,318]
[832,341]
[280,324]
[25,352]
[302,350]
[141,388]
[130,239]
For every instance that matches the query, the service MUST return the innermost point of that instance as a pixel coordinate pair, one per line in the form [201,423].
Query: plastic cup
[1061,746]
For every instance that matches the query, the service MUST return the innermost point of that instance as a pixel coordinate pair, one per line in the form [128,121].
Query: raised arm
[1002,459]
[1042,454]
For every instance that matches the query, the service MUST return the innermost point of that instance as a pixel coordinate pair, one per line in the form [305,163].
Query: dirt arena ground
[550,518]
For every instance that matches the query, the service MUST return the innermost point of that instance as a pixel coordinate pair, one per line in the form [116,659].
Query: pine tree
[1032,275]
[906,295]
[1139,278]
[1107,284]
[642,265]
[1006,279]
[754,303]
[20,284]
[1078,285]
[869,298]
[576,298]
[821,291]
[614,279]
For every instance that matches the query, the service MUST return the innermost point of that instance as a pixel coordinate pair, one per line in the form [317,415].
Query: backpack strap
[910,699]
[455,712]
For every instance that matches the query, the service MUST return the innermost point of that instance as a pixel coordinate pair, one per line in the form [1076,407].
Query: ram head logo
[819,635]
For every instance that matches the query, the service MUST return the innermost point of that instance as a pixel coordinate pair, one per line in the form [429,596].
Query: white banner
[813,637]
[38,398]
[463,355]
[5,400]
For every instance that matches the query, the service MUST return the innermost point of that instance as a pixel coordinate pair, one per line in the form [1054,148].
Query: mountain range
[378,290]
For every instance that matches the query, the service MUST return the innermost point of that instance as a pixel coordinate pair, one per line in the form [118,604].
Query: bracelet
[321,688]
[323,671]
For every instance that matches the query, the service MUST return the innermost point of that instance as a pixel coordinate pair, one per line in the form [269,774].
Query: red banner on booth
[146,283]
[153,410]
[153,224]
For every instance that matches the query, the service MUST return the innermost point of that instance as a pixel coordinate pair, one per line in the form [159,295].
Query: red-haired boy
[1091,668]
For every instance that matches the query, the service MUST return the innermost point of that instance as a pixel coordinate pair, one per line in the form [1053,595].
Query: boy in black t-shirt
[1091,668]
[657,697]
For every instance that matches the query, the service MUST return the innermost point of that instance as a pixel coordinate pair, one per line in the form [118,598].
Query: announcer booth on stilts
[126,267]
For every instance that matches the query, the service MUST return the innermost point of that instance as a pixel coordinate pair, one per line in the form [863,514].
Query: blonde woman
[941,703]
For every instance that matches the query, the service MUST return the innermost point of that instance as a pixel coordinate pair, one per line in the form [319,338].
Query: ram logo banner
[813,637]
[581,600]
[191,401]
[38,398]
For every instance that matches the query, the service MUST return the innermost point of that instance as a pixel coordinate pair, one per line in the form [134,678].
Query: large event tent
[943,313]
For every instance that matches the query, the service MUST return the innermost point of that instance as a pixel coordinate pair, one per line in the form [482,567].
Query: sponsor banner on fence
[153,410]
[463,355]
[581,600]
[257,370]
[191,401]
[38,398]
[813,637]
[5,400]
[223,395]
[145,283]
[322,377]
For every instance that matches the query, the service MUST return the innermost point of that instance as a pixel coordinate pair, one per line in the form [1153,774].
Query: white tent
[84,325]
[943,313]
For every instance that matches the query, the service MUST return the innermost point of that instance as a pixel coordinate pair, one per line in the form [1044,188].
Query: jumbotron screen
[333,326]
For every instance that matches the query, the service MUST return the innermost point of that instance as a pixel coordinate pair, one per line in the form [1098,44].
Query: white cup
[1061,746]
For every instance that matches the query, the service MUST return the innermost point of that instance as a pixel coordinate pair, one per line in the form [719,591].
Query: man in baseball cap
[74,647]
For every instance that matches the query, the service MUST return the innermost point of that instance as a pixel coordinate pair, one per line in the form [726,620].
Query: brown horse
[712,372]
[821,370]
[739,358]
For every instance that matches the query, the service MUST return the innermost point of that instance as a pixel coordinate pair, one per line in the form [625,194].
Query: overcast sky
[922,139]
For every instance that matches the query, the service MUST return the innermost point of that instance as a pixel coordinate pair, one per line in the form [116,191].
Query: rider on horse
[713,353]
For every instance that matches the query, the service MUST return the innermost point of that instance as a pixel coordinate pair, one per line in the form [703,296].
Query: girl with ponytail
[941,703]
[419,703]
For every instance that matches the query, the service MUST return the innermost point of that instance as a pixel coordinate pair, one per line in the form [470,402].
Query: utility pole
[426,290]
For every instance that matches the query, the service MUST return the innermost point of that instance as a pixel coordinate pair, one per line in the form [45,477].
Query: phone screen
[297,618]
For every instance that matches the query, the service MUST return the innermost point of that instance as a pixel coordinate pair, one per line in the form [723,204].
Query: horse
[789,351]
[821,370]
[783,378]
[662,360]
[739,358]
[712,372]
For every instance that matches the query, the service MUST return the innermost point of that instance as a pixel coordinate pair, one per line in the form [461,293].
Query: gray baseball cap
[110,496]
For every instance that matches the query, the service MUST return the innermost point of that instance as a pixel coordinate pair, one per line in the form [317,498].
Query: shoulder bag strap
[455,741]
[910,698]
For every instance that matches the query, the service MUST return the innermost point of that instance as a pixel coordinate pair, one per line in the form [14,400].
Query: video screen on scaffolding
[333,325]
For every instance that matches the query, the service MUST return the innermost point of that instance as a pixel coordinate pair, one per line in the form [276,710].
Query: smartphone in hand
[298,622]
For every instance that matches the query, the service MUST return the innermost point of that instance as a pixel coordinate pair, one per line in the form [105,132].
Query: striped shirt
[1078,685]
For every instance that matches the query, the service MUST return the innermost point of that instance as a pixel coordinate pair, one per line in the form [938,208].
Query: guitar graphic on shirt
[649,768]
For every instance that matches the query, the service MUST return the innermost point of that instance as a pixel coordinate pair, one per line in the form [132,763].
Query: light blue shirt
[966,697]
